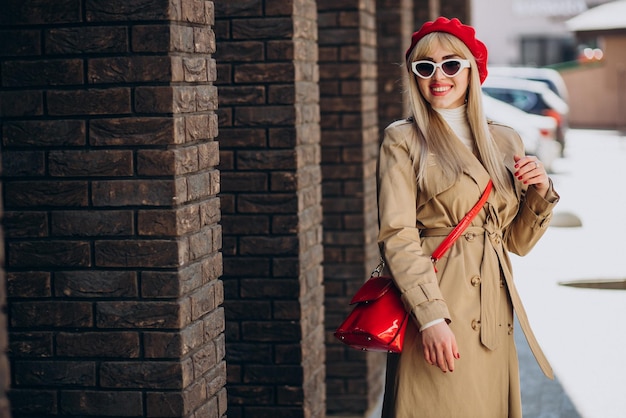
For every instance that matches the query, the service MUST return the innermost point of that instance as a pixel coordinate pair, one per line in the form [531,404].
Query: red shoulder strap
[460,228]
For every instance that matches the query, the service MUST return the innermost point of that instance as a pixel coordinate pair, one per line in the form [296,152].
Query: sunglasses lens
[451,67]
[425,69]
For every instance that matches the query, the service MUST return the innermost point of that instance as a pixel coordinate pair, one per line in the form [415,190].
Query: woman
[459,359]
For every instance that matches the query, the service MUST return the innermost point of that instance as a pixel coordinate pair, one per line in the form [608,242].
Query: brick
[19,42]
[133,131]
[273,245]
[204,40]
[31,344]
[151,38]
[97,344]
[146,375]
[90,163]
[168,222]
[123,10]
[176,404]
[193,12]
[267,28]
[245,182]
[165,284]
[265,72]
[135,69]
[18,224]
[202,301]
[95,284]
[42,73]
[21,103]
[23,163]
[208,155]
[266,115]
[91,223]
[44,133]
[281,50]
[241,8]
[45,193]
[195,70]
[173,344]
[263,288]
[143,315]
[203,185]
[282,94]
[277,203]
[52,314]
[140,253]
[214,324]
[34,12]
[101,403]
[89,102]
[86,40]
[136,192]
[173,161]
[62,373]
[34,254]
[241,51]
[242,95]
[267,160]
[248,309]
[291,375]
[31,284]
[33,401]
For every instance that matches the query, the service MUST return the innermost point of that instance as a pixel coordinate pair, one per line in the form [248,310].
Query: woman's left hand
[531,171]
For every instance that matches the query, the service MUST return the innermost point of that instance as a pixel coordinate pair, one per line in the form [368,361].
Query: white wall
[501,23]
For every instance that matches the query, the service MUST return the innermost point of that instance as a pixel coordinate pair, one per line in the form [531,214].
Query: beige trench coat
[473,288]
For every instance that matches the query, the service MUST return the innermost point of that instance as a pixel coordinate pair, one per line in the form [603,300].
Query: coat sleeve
[534,213]
[399,237]
[531,221]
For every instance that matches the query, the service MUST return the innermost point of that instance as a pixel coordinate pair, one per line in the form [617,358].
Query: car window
[521,99]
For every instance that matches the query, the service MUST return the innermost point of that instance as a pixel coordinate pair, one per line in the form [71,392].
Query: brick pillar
[272,217]
[394,28]
[457,8]
[111,208]
[348,84]
[5,372]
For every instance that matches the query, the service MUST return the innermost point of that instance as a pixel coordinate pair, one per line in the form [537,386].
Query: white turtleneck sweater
[457,119]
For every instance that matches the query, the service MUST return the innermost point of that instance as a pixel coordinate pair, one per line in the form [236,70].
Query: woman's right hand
[440,347]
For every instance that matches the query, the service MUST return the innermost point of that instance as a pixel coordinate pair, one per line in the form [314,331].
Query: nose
[439,74]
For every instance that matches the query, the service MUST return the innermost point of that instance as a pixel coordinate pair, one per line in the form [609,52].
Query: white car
[537,132]
[551,77]
[532,97]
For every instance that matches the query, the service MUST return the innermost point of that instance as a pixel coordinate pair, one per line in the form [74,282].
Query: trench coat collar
[472,167]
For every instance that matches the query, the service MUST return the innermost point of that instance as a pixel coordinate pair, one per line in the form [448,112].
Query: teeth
[440,89]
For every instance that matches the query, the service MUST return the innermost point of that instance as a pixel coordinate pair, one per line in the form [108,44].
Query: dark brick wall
[110,208]
[395,25]
[272,217]
[5,372]
[349,107]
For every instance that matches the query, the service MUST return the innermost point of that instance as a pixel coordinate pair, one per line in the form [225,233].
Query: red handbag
[378,321]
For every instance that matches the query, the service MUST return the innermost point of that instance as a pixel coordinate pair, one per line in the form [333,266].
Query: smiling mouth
[440,89]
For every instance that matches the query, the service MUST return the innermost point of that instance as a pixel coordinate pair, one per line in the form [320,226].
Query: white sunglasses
[451,67]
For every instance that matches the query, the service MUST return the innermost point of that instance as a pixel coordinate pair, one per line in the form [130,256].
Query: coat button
[475,281]
[470,236]
[475,324]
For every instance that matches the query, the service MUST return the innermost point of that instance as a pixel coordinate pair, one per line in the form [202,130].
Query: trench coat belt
[493,247]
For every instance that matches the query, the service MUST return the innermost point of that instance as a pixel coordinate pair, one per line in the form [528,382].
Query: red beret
[465,33]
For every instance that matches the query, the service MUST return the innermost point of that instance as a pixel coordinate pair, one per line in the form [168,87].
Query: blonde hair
[434,132]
